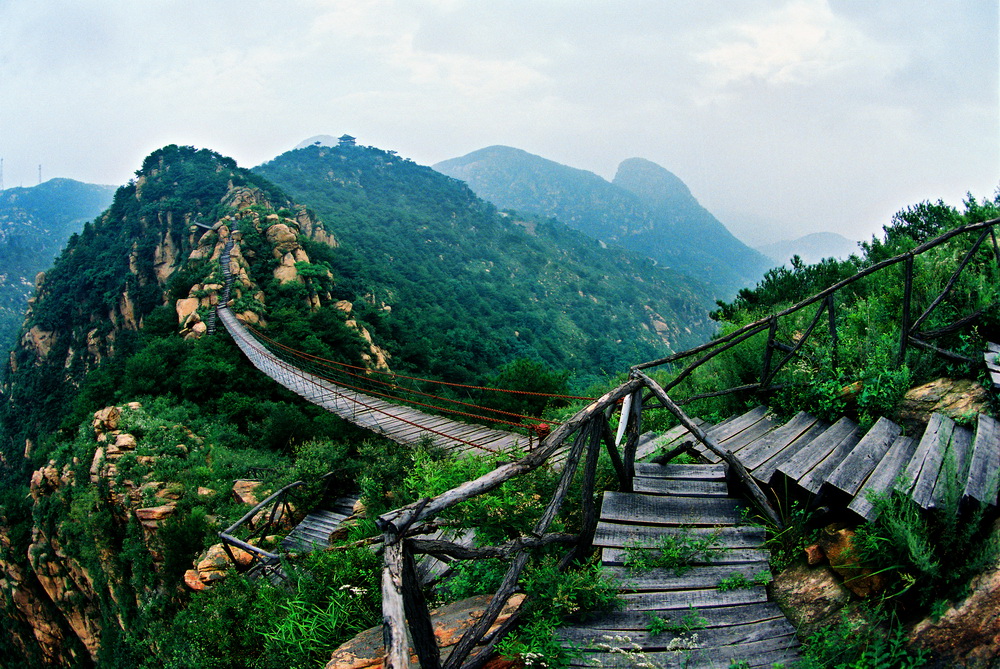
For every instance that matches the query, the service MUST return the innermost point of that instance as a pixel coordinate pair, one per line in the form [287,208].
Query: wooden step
[649,443]
[954,474]
[854,470]
[715,556]
[920,477]
[765,472]
[658,486]
[694,577]
[739,614]
[683,599]
[755,454]
[766,653]
[838,438]
[615,535]
[708,637]
[763,427]
[675,510]
[981,484]
[671,471]
[882,480]
[729,429]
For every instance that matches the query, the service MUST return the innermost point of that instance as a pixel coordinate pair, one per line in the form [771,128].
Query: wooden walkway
[841,465]
[401,424]
[707,626]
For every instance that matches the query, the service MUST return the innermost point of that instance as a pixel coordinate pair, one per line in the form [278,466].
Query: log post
[417,614]
[772,331]
[833,328]
[397,651]
[904,335]
[624,480]
[589,507]
[632,430]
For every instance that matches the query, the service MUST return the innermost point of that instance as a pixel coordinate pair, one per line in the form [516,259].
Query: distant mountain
[645,209]
[35,224]
[811,248]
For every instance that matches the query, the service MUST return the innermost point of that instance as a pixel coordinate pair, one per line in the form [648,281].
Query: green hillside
[469,289]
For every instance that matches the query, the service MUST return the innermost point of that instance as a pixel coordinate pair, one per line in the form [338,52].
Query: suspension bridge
[744,458]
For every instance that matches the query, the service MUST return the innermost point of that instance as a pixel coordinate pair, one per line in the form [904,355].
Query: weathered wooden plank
[925,466]
[720,555]
[682,599]
[954,469]
[715,472]
[696,488]
[657,510]
[741,614]
[737,536]
[728,429]
[984,462]
[813,480]
[819,448]
[704,576]
[765,471]
[759,451]
[716,637]
[748,436]
[884,477]
[851,473]
[698,658]
[990,346]
[672,437]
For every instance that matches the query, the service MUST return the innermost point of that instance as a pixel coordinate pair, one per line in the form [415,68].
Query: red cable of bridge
[322,362]
[258,333]
[369,407]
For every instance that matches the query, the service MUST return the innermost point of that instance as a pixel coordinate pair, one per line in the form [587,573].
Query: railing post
[632,430]
[624,480]
[904,335]
[417,614]
[833,329]
[397,652]
[772,331]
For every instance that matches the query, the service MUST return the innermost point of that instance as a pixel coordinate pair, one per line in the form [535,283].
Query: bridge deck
[401,424]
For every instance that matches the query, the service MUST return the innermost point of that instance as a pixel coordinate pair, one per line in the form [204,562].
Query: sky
[784,117]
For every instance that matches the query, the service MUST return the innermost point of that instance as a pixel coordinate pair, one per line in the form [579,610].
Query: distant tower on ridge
[346,140]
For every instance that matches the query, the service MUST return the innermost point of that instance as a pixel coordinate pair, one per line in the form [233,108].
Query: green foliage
[691,621]
[526,376]
[738,581]
[553,597]
[861,642]
[678,551]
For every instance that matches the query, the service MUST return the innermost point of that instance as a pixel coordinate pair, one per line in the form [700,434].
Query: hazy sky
[784,117]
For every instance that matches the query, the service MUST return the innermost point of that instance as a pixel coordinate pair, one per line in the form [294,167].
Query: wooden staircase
[725,626]
[841,465]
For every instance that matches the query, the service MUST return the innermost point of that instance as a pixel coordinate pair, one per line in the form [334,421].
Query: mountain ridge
[668,225]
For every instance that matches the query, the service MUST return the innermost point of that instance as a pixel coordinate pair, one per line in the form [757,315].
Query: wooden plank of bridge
[689,487]
[737,624]
[982,482]
[666,441]
[954,472]
[854,470]
[883,477]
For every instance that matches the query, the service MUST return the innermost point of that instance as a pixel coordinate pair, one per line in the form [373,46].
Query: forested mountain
[645,209]
[35,223]
[498,286]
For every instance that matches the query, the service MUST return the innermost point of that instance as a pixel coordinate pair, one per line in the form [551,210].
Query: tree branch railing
[273,507]
[910,332]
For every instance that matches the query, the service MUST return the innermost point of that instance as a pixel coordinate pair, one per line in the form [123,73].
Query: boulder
[244,492]
[809,596]
[450,622]
[955,398]
[967,634]
[125,442]
[106,419]
[838,545]
[185,307]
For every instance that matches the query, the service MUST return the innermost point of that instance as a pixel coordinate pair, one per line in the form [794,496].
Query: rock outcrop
[955,398]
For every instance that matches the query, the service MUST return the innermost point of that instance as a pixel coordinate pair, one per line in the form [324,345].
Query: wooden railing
[274,507]
[910,332]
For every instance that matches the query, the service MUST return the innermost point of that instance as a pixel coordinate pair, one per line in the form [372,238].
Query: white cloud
[799,43]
